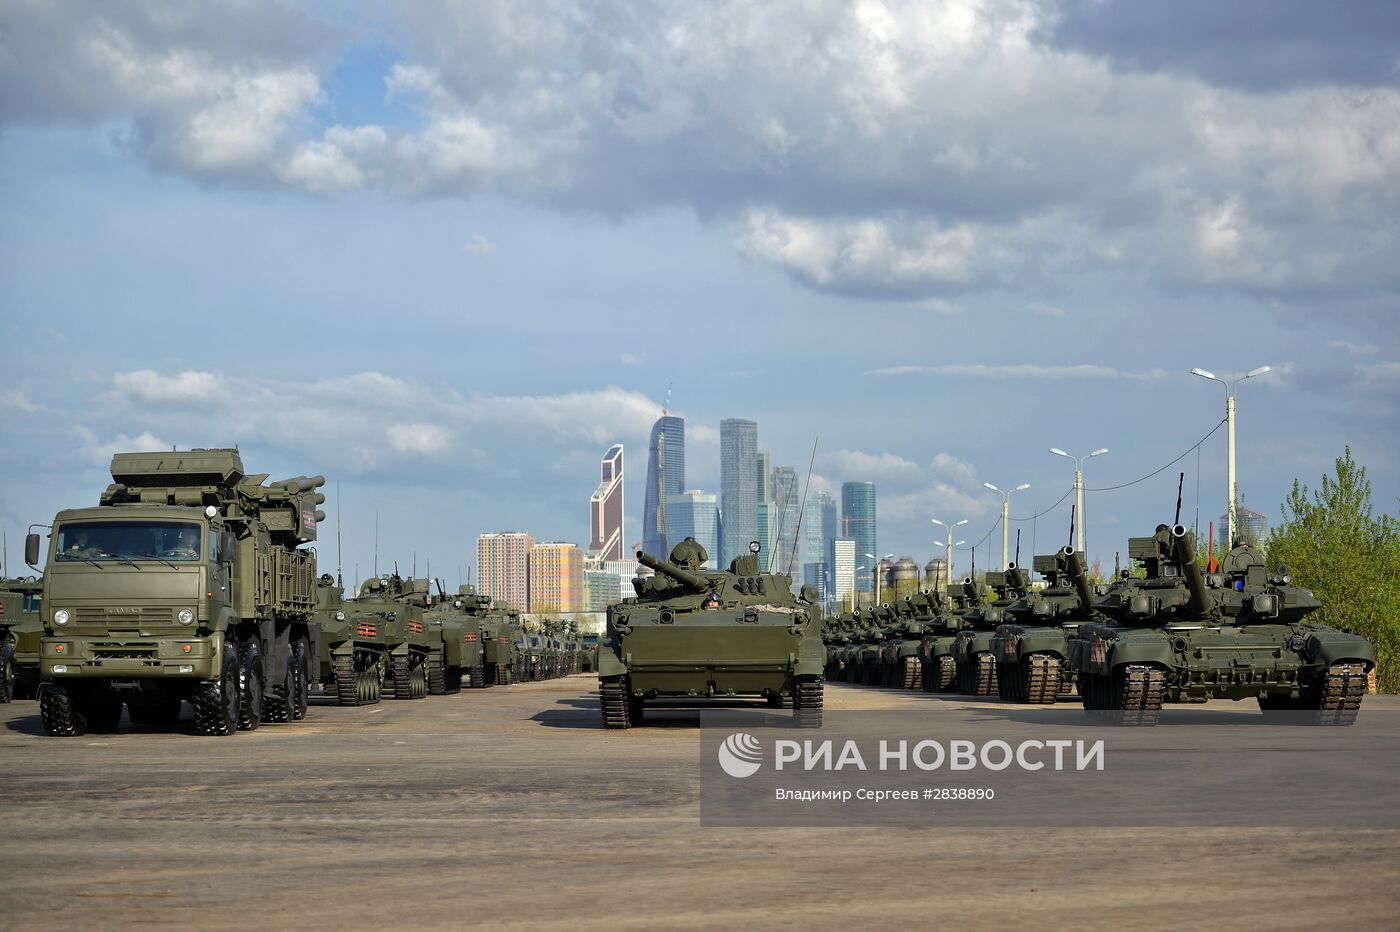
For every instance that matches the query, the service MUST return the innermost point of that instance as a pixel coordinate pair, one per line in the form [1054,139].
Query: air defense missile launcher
[356,642]
[1180,635]
[188,582]
[1031,648]
[21,629]
[710,635]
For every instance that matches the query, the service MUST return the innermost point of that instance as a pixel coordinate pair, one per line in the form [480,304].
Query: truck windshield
[170,541]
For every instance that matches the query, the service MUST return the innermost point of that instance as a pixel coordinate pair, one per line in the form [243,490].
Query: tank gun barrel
[1184,549]
[1074,567]
[680,574]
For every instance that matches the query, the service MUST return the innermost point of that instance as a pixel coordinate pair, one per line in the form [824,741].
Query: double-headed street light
[875,571]
[948,562]
[1079,491]
[1230,488]
[1005,516]
[855,596]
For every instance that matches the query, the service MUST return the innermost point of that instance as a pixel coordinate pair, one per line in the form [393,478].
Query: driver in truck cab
[184,546]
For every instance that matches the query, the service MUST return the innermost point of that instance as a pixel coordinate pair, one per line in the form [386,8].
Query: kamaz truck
[20,632]
[188,582]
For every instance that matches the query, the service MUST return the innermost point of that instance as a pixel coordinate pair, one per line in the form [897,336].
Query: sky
[446,253]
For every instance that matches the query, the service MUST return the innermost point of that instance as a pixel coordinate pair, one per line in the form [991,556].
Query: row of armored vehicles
[1174,634]
[193,582]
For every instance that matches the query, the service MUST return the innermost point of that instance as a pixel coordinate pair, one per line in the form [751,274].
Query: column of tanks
[193,584]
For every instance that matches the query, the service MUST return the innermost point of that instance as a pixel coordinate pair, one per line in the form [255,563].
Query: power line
[1158,471]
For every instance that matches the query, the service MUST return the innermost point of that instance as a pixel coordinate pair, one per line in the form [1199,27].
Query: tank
[691,633]
[1032,647]
[977,667]
[900,663]
[20,632]
[938,648]
[1180,635]
[190,581]
[356,643]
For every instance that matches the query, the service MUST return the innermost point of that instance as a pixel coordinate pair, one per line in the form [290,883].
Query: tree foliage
[1335,545]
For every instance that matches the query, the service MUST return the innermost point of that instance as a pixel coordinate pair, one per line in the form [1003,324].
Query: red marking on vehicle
[503,640]
[415,627]
[469,637]
[367,630]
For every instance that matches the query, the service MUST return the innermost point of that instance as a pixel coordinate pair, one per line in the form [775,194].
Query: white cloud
[632,359]
[417,438]
[480,245]
[188,386]
[99,452]
[17,399]
[1021,371]
[856,465]
[1047,310]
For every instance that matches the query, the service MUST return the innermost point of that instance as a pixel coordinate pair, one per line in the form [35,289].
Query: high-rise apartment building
[502,567]
[605,510]
[556,578]
[738,480]
[788,497]
[858,523]
[695,514]
[842,562]
[665,477]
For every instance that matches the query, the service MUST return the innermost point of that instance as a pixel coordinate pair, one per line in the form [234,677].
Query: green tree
[1350,558]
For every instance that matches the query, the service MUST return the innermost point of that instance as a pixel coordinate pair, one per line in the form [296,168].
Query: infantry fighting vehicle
[475,616]
[396,601]
[500,638]
[356,642]
[20,631]
[713,635]
[443,626]
[1031,649]
[188,582]
[977,666]
[1181,636]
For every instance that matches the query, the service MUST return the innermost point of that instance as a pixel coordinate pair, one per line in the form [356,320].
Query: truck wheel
[7,672]
[277,697]
[250,709]
[301,681]
[56,709]
[216,705]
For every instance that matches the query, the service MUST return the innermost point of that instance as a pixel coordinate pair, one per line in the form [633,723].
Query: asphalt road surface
[510,806]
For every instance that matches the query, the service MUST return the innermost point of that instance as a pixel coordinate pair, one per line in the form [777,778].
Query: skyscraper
[788,498]
[605,510]
[665,476]
[858,523]
[695,514]
[556,578]
[738,481]
[815,535]
[502,567]
[842,561]
[831,524]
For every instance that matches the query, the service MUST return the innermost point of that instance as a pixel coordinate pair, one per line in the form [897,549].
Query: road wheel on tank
[614,703]
[301,680]
[807,703]
[8,678]
[61,718]
[250,710]
[436,677]
[217,704]
[155,712]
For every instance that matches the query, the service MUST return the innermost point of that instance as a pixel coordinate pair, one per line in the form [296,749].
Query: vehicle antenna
[1180,482]
[1071,524]
[797,533]
[338,554]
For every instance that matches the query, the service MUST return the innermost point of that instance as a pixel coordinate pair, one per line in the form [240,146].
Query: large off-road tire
[61,719]
[217,704]
[301,681]
[277,697]
[8,677]
[615,703]
[160,711]
[437,677]
[250,709]
[807,704]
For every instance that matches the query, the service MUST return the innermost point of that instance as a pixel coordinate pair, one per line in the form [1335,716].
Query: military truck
[977,667]
[20,631]
[1180,635]
[711,635]
[1031,649]
[188,582]
[356,642]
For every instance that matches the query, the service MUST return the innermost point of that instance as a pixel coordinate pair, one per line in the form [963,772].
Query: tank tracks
[940,674]
[1034,680]
[615,703]
[476,678]
[913,673]
[437,677]
[409,681]
[978,677]
[502,677]
[1135,699]
[1342,691]
[807,704]
[354,687]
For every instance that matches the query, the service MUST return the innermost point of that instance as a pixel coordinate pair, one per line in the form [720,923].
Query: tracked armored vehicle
[977,666]
[399,607]
[21,629]
[938,648]
[1182,636]
[1032,649]
[188,582]
[500,646]
[901,665]
[356,642]
[689,633]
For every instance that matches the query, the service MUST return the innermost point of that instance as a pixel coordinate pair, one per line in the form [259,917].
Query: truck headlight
[186,616]
[60,668]
[60,617]
[339,616]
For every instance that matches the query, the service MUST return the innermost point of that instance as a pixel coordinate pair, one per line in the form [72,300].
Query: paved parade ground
[511,806]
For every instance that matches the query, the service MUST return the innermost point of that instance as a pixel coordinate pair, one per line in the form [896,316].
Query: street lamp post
[948,559]
[1005,517]
[1230,487]
[1079,492]
[856,593]
[875,572]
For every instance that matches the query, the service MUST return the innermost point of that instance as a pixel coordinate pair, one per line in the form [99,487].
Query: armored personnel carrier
[394,602]
[188,582]
[1179,635]
[500,638]
[977,666]
[356,642]
[1031,649]
[938,648]
[21,629]
[475,614]
[712,635]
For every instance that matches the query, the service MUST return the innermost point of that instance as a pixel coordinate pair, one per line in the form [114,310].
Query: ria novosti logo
[740,755]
